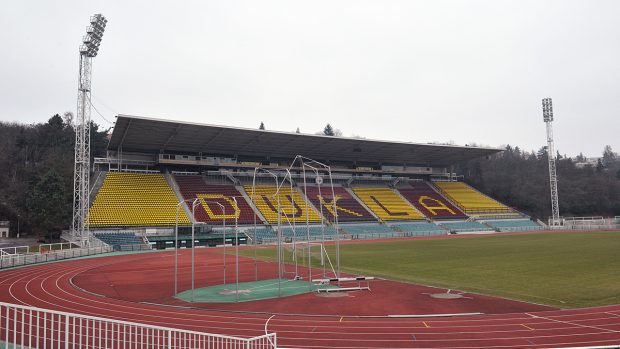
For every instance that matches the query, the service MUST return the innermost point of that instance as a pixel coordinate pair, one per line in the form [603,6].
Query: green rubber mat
[250,291]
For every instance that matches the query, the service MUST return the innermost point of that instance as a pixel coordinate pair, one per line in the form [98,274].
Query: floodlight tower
[555,221]
[81,175]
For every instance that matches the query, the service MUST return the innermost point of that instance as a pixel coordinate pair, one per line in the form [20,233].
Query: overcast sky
[419,71]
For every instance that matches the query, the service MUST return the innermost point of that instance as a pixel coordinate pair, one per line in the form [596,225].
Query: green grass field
[565,270]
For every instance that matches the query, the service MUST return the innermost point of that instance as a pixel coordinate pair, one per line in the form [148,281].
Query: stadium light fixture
[94,34]
[547,109]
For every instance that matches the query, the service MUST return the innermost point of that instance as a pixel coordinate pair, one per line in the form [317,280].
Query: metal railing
[518,229]
[590,223]
[30,327]
[132,247]
[15,260]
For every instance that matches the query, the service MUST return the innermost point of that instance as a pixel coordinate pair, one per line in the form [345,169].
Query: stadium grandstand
[160,173]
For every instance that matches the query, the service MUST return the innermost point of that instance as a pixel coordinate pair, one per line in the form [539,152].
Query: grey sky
[421,71]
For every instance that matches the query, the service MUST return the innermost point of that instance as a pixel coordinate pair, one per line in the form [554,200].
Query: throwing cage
[307,232]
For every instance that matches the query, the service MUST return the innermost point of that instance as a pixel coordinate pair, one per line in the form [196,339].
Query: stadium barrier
[518,229]
[132,247]
[590,223]
[30,327]
[26,249]
[15,260]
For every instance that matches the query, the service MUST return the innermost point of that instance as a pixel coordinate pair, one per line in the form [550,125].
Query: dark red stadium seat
[210,195]
[349,209]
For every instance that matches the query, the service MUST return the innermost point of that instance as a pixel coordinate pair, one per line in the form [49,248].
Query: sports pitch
[566,270]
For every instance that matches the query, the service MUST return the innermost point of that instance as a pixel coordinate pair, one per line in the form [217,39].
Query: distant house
[4,229]
[588,161]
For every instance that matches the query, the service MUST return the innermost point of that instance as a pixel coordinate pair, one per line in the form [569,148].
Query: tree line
[36,173]
[521,180]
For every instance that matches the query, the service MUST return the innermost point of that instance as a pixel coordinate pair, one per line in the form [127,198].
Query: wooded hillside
[36,173]
[521,180]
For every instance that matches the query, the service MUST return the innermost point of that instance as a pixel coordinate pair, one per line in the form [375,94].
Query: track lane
[49,286]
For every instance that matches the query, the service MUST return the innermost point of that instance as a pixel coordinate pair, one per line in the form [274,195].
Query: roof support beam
[120,145]
[172,134]
[206,144]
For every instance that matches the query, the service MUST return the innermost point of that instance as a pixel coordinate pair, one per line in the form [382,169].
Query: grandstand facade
[159,174]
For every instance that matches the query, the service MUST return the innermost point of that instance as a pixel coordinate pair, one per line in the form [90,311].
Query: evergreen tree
[609,157]
[599,166]
[580,158]
[328,130]
[49,204]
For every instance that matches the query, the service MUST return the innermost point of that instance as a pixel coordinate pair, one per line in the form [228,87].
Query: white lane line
[574,324]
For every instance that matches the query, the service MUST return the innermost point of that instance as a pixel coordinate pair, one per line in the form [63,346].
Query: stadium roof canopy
[149,135]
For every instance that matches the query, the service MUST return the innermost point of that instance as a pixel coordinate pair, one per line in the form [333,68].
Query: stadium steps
[411,204]
[96,185]
[247,198]
[448,199]
[350,191]
[307,199]
[445,197]
[175,188]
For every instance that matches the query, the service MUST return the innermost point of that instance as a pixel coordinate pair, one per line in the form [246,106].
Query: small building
[4,229]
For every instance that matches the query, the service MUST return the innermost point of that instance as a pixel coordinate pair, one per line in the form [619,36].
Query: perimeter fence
[30,327]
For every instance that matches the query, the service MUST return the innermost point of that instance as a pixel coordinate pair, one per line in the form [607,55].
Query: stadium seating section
[293,207]
[120,239]
[429,202]
[369,231]
[419,229]
[211,197]
[347,207]
[132,199]
[387,204]
[316,233]
[263,235]
[471,200]
[465,226]
[514,225]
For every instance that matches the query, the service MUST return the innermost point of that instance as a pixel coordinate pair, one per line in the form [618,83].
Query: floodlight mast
[554,221]
[81,175]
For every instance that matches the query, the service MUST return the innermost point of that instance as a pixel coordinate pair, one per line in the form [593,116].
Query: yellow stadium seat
[386,204]
[293,207]
[135,199]
[471,200]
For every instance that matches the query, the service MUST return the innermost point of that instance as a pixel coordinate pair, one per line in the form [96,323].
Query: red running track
[51,286]
[150,280]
